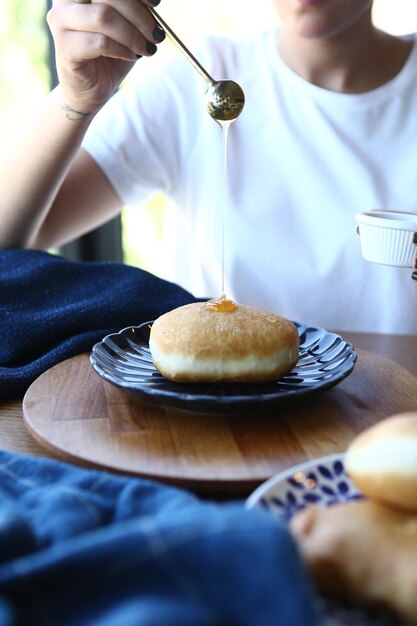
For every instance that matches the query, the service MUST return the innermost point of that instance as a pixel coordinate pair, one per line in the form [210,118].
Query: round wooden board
[83,419]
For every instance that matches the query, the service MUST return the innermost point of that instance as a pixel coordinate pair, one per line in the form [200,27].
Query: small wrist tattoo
[72,114]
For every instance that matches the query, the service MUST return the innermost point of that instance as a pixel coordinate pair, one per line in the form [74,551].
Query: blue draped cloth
[52,309]
[87,548]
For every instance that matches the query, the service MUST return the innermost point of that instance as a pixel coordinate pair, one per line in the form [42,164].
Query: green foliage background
[24,74]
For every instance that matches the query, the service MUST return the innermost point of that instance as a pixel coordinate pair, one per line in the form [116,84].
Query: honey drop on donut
[221,305]
[270,317]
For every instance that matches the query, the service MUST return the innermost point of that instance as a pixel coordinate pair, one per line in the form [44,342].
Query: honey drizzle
[222,305]
[225,125]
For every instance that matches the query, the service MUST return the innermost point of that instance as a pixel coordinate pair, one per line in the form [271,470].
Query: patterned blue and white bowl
[322,482]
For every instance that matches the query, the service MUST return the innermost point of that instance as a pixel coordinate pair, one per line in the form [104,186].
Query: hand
[414,274]
[96,44]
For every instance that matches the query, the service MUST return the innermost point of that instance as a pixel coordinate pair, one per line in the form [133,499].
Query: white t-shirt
[301,162]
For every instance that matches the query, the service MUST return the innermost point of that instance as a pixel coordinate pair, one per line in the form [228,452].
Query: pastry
[362,552]
[198,343]
[382,461]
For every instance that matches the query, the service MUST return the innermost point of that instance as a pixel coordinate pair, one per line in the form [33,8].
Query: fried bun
[382,461]
[194,343]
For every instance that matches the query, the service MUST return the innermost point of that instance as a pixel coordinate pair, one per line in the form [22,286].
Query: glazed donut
[195,343]
[382,461]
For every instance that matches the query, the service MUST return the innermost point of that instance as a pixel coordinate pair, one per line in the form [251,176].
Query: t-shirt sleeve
[141,137]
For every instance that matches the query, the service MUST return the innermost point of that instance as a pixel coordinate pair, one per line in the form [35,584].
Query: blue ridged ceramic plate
[321,482]
[124,359]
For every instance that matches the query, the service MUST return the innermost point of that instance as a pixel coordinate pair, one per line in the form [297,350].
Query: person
[327,131]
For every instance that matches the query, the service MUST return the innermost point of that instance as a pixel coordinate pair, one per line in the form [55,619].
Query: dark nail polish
[138,56]
[150,47]
[414,275]
[154,2]
[415,238]
[158,34]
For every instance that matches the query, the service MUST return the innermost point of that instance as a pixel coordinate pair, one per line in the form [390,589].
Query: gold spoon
[224,98]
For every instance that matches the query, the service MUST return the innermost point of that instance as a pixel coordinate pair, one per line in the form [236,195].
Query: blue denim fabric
[52,309]
[80,547]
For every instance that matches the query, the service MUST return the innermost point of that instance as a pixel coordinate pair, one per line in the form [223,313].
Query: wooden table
[300,439]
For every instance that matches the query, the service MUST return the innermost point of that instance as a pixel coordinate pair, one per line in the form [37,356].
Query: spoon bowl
[224,100]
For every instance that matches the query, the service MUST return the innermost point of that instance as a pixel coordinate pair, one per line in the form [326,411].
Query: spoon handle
[182,47]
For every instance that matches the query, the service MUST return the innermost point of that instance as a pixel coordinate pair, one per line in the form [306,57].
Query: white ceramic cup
[387,237]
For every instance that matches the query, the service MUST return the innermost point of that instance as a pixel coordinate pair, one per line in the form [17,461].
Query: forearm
[34,167]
